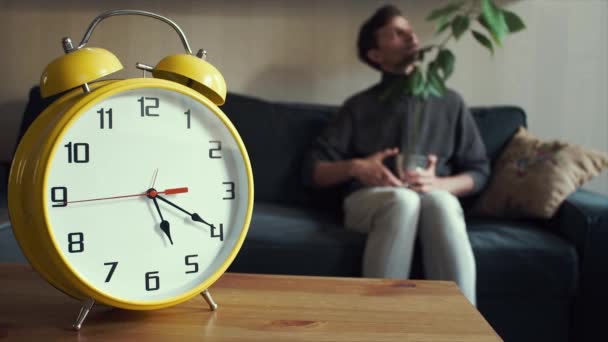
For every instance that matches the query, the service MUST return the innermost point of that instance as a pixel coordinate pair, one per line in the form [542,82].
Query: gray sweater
[370,121]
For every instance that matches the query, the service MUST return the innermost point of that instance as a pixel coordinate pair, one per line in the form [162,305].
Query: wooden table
[252,308]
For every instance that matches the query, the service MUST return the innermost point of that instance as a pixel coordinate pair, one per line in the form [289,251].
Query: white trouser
[391,215]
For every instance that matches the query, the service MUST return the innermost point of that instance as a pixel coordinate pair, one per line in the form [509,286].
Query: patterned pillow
[532,177]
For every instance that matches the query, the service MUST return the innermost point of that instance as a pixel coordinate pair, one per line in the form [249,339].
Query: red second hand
[171,191]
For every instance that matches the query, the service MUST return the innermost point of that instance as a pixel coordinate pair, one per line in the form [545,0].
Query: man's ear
[375,56]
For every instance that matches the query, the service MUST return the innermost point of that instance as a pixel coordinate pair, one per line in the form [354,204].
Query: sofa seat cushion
[519,257]
[290,240]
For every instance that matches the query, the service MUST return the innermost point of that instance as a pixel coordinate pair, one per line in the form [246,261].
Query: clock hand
[193,216]
[164,224]
[166,192]
[154,178]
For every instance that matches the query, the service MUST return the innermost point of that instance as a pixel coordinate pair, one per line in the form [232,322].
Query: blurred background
[557,69]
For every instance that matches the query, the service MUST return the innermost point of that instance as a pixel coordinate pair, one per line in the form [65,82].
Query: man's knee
[441,214]
[403,199]
[440,201]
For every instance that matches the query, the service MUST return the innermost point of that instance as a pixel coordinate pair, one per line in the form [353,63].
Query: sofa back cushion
[277,136]
[497,125]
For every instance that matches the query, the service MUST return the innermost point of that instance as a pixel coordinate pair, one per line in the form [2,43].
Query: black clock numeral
[113,265]
[191,263]
[101,118]
[76,242]
[220,234]
[152,281]
[145,110]
[230,190]
[217,148]
[77,152]
[187,118]
[59,196]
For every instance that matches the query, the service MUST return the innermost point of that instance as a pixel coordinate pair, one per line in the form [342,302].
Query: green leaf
[493,20]
[445,11]
[432,90]
[445,61]
[415,82]
[443,24]
[435,85]
[419,83]
[514,22]
[483,40]
[459,25]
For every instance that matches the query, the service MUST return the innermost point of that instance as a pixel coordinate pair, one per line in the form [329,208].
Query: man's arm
[369,171]
[470,153]
[458,185]
[329,173]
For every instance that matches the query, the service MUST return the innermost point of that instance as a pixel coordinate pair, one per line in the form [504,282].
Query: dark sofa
[537,280]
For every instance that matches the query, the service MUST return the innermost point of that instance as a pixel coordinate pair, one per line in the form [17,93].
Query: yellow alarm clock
[133,193]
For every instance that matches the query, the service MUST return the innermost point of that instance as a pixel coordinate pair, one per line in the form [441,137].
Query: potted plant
[488,23]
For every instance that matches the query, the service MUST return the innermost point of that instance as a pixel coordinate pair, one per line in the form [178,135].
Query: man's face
[396,41]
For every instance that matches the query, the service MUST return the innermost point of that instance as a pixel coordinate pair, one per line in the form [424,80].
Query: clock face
[146,194]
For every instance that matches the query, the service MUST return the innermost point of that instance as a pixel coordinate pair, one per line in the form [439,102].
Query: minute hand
[193,216]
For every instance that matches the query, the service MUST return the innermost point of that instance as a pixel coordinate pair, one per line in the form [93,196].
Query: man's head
[386,40]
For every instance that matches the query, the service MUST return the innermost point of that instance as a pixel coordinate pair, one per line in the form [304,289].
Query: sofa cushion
[497,124]
[276,137]
[513,257]
[520,257]
[290,240]
[532,177]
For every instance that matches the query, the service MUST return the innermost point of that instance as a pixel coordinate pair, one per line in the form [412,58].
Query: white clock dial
[109,232]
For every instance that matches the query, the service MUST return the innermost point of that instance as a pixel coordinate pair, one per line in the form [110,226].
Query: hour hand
[164,224]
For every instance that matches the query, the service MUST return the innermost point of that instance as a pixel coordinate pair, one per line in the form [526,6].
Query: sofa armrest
[583,219]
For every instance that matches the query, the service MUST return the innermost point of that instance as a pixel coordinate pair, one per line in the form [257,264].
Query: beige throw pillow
[532,177]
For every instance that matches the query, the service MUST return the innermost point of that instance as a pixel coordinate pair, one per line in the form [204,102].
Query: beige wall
[304,51]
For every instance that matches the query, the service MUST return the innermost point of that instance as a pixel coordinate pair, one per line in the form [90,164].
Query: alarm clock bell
[82,65]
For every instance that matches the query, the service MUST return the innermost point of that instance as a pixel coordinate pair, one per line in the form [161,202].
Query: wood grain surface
[252,308]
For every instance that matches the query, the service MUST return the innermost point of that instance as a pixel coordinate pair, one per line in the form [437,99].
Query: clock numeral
[145,110]
[217,148]
[152,281]
[187,118]
[113,265]
[101,118]
[191,263]
[76,242]
[59,196]
[220,234]
[230,190]
[77,152]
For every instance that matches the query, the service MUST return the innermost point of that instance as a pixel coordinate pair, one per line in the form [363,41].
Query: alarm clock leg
[84,311]
[209,300]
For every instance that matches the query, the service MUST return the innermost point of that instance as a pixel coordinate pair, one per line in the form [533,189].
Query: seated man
[391,209]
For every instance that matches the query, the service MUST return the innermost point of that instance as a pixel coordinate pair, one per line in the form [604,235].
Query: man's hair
[367,34]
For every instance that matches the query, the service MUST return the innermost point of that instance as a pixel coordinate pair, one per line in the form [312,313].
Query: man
[370,130]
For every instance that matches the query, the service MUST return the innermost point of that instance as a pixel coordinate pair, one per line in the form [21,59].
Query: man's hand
[423,180]
[371,171]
